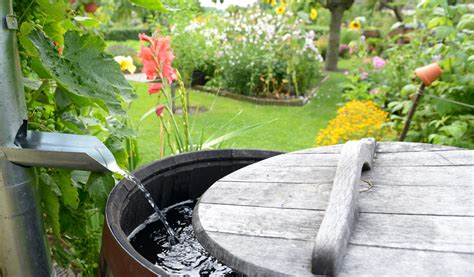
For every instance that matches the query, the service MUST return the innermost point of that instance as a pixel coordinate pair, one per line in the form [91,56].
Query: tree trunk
[332,53]
[398,14]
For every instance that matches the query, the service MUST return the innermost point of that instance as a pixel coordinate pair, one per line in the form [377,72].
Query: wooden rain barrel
[170,180]
[409,213]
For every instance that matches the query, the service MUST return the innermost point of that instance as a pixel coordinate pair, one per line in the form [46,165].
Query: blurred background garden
[155,78]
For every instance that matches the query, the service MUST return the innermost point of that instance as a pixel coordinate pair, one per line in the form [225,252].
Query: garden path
[137,77]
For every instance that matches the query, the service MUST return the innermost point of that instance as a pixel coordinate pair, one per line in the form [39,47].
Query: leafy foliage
[72,86]
[89,76]
[253,51]
[154,5]
[444,35]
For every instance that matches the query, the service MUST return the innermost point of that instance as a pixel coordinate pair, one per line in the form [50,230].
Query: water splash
[159,214]
[187,257]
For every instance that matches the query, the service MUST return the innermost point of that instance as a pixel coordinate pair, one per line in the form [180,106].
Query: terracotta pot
[429,73]
[91,7]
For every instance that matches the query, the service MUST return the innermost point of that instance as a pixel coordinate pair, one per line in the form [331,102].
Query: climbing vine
[73,86]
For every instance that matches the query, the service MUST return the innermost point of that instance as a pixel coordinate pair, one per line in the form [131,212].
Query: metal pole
[411,113]
[23,247]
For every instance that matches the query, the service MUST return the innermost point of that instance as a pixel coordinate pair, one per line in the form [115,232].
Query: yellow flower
[280,10]
[271,2]
[199,19]
[355,25]
[356,120]
[313,14]
[126,63]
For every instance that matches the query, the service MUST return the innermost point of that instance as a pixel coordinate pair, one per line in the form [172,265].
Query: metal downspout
[23,247]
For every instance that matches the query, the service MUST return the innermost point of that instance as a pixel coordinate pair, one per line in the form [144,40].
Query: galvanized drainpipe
[23,248]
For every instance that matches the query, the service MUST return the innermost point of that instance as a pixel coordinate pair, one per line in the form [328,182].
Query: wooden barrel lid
[415,213]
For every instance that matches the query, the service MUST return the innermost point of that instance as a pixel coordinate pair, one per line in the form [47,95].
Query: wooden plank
[455,200]
[339,219]
[396,147]
[257,256]
[383,147]
[424,200]
[257,173]
[399,176]
[255,221]
[377,261]
[422,176]
[433,158]
[434,233]
[401,159]
[302,160]
[272,195]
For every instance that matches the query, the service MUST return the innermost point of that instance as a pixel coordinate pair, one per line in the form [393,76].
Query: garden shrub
[348,35]
[446,37]
[356,120]
[266,54]
[251,52]
[121,34]
[322,44]
[195,43]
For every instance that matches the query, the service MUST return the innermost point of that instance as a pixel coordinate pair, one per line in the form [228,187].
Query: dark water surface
[187,257]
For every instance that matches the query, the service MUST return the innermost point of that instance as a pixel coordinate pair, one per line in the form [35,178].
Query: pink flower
[375,91]
[378,62]
[144,37]
[154,88]
[159,110]
[364,75]
[157,58]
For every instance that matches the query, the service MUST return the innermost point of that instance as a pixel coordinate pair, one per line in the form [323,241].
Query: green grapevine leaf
[70,196]
[50,207]
[99,185]
[154,5]
[89,76]
[47,180]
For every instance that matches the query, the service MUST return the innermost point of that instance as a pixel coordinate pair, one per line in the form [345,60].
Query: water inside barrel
[187,257]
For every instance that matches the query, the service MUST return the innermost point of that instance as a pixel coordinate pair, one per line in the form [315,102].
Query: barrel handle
[335,231]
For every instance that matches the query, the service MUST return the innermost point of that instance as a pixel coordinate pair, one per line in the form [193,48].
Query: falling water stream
[130,177]
[172,244]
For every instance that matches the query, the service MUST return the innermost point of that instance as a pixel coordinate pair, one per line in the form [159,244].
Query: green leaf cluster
[73,86]
[444,34]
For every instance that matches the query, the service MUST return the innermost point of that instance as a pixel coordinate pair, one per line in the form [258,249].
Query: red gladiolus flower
[159,110]
[157,58]
[154,88]
[144,37]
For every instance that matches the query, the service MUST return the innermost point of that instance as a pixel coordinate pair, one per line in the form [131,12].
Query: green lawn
[291,128]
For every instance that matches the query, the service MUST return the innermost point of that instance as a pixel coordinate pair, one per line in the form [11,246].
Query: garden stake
[419,94]
[427,75]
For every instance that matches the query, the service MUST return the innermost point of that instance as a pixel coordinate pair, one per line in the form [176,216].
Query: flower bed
[253,52]
[300,101]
